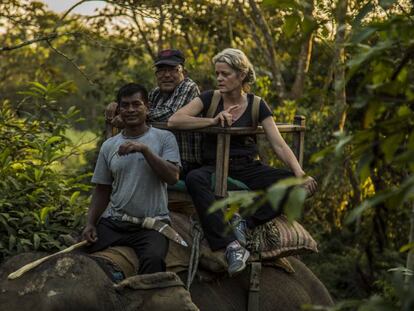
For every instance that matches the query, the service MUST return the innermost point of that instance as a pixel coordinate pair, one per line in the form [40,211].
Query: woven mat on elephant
[280,238]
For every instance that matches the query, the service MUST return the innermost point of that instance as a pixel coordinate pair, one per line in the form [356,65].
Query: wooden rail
[224,134]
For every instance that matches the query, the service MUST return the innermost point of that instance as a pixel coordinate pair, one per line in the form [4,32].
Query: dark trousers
[254,174]
[187,167]
[150,246]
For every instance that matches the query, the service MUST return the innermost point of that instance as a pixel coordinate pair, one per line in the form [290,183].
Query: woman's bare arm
[284,152]
[186,118]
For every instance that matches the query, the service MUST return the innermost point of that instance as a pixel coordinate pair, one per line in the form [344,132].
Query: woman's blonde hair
[237,60]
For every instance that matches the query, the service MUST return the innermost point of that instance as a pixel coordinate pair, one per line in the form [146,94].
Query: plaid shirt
[162,107]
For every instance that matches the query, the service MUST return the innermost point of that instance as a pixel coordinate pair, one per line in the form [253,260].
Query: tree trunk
[260,21]
[252,28]
[302,69]
[304,59]
[160,41]
[339,71]
[143,35]
[190,45]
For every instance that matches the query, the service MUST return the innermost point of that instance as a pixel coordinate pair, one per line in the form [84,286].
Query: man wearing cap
[173,92]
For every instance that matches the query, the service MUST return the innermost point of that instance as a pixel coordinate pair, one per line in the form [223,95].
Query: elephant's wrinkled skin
[76,282]
[279,290]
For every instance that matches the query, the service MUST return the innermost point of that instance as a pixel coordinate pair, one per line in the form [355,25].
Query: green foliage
[375,152]
[247,202]
[399,296]
[384,139]
[359,216]
[38,203]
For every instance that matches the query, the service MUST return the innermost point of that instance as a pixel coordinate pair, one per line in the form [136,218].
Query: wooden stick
[34,264]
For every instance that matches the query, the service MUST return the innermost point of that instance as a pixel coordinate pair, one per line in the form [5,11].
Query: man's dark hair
[130,89]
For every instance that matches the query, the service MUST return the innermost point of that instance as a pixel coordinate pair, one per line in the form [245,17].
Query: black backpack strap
[255,111]
[214,103]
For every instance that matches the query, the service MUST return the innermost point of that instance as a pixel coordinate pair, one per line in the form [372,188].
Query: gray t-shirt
[136,190]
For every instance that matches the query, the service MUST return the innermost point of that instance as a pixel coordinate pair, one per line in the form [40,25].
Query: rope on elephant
[197,233]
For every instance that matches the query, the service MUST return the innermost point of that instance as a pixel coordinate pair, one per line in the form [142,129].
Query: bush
[37,201]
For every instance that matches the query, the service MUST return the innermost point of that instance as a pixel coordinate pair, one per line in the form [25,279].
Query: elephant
[74,281]
[279,290]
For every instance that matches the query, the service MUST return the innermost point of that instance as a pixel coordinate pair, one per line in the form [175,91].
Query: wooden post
[299,139]
[222,164]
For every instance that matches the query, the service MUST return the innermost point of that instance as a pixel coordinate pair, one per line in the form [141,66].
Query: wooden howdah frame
[297,129]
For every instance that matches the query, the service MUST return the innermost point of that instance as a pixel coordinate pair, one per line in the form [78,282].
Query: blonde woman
[234,74]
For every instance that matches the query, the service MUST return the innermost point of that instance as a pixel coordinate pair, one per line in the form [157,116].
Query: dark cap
[169,57]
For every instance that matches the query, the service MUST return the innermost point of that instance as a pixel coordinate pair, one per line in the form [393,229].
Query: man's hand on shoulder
[132,147]
[112,116]
[89,233]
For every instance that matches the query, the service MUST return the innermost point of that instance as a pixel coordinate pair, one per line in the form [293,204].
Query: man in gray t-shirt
[131,177]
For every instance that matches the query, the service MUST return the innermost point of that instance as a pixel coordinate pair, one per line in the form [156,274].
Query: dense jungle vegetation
[346,65]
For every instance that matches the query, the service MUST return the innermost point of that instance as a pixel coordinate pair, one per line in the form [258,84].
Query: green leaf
[404,158]
[404,193]
[12,242]
[363,34]
[282,4]
[294,205]
[36,241]
[404,111]
[275,195]
[386,4]
[4,155]
[402,270]
[233,209]
[14,182]
[319,156]
[366,54]
[38,174]
[242,198]
[367,8]
[308,25]
[357,212]
[71,111]
[39,86]
[290,25]
[291,181]
[372,113]
[73,197]
[344,140]
[44,212]
[390,145]
[407,247]
[4,221]
[53,139]
[364,166]
[29,93]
